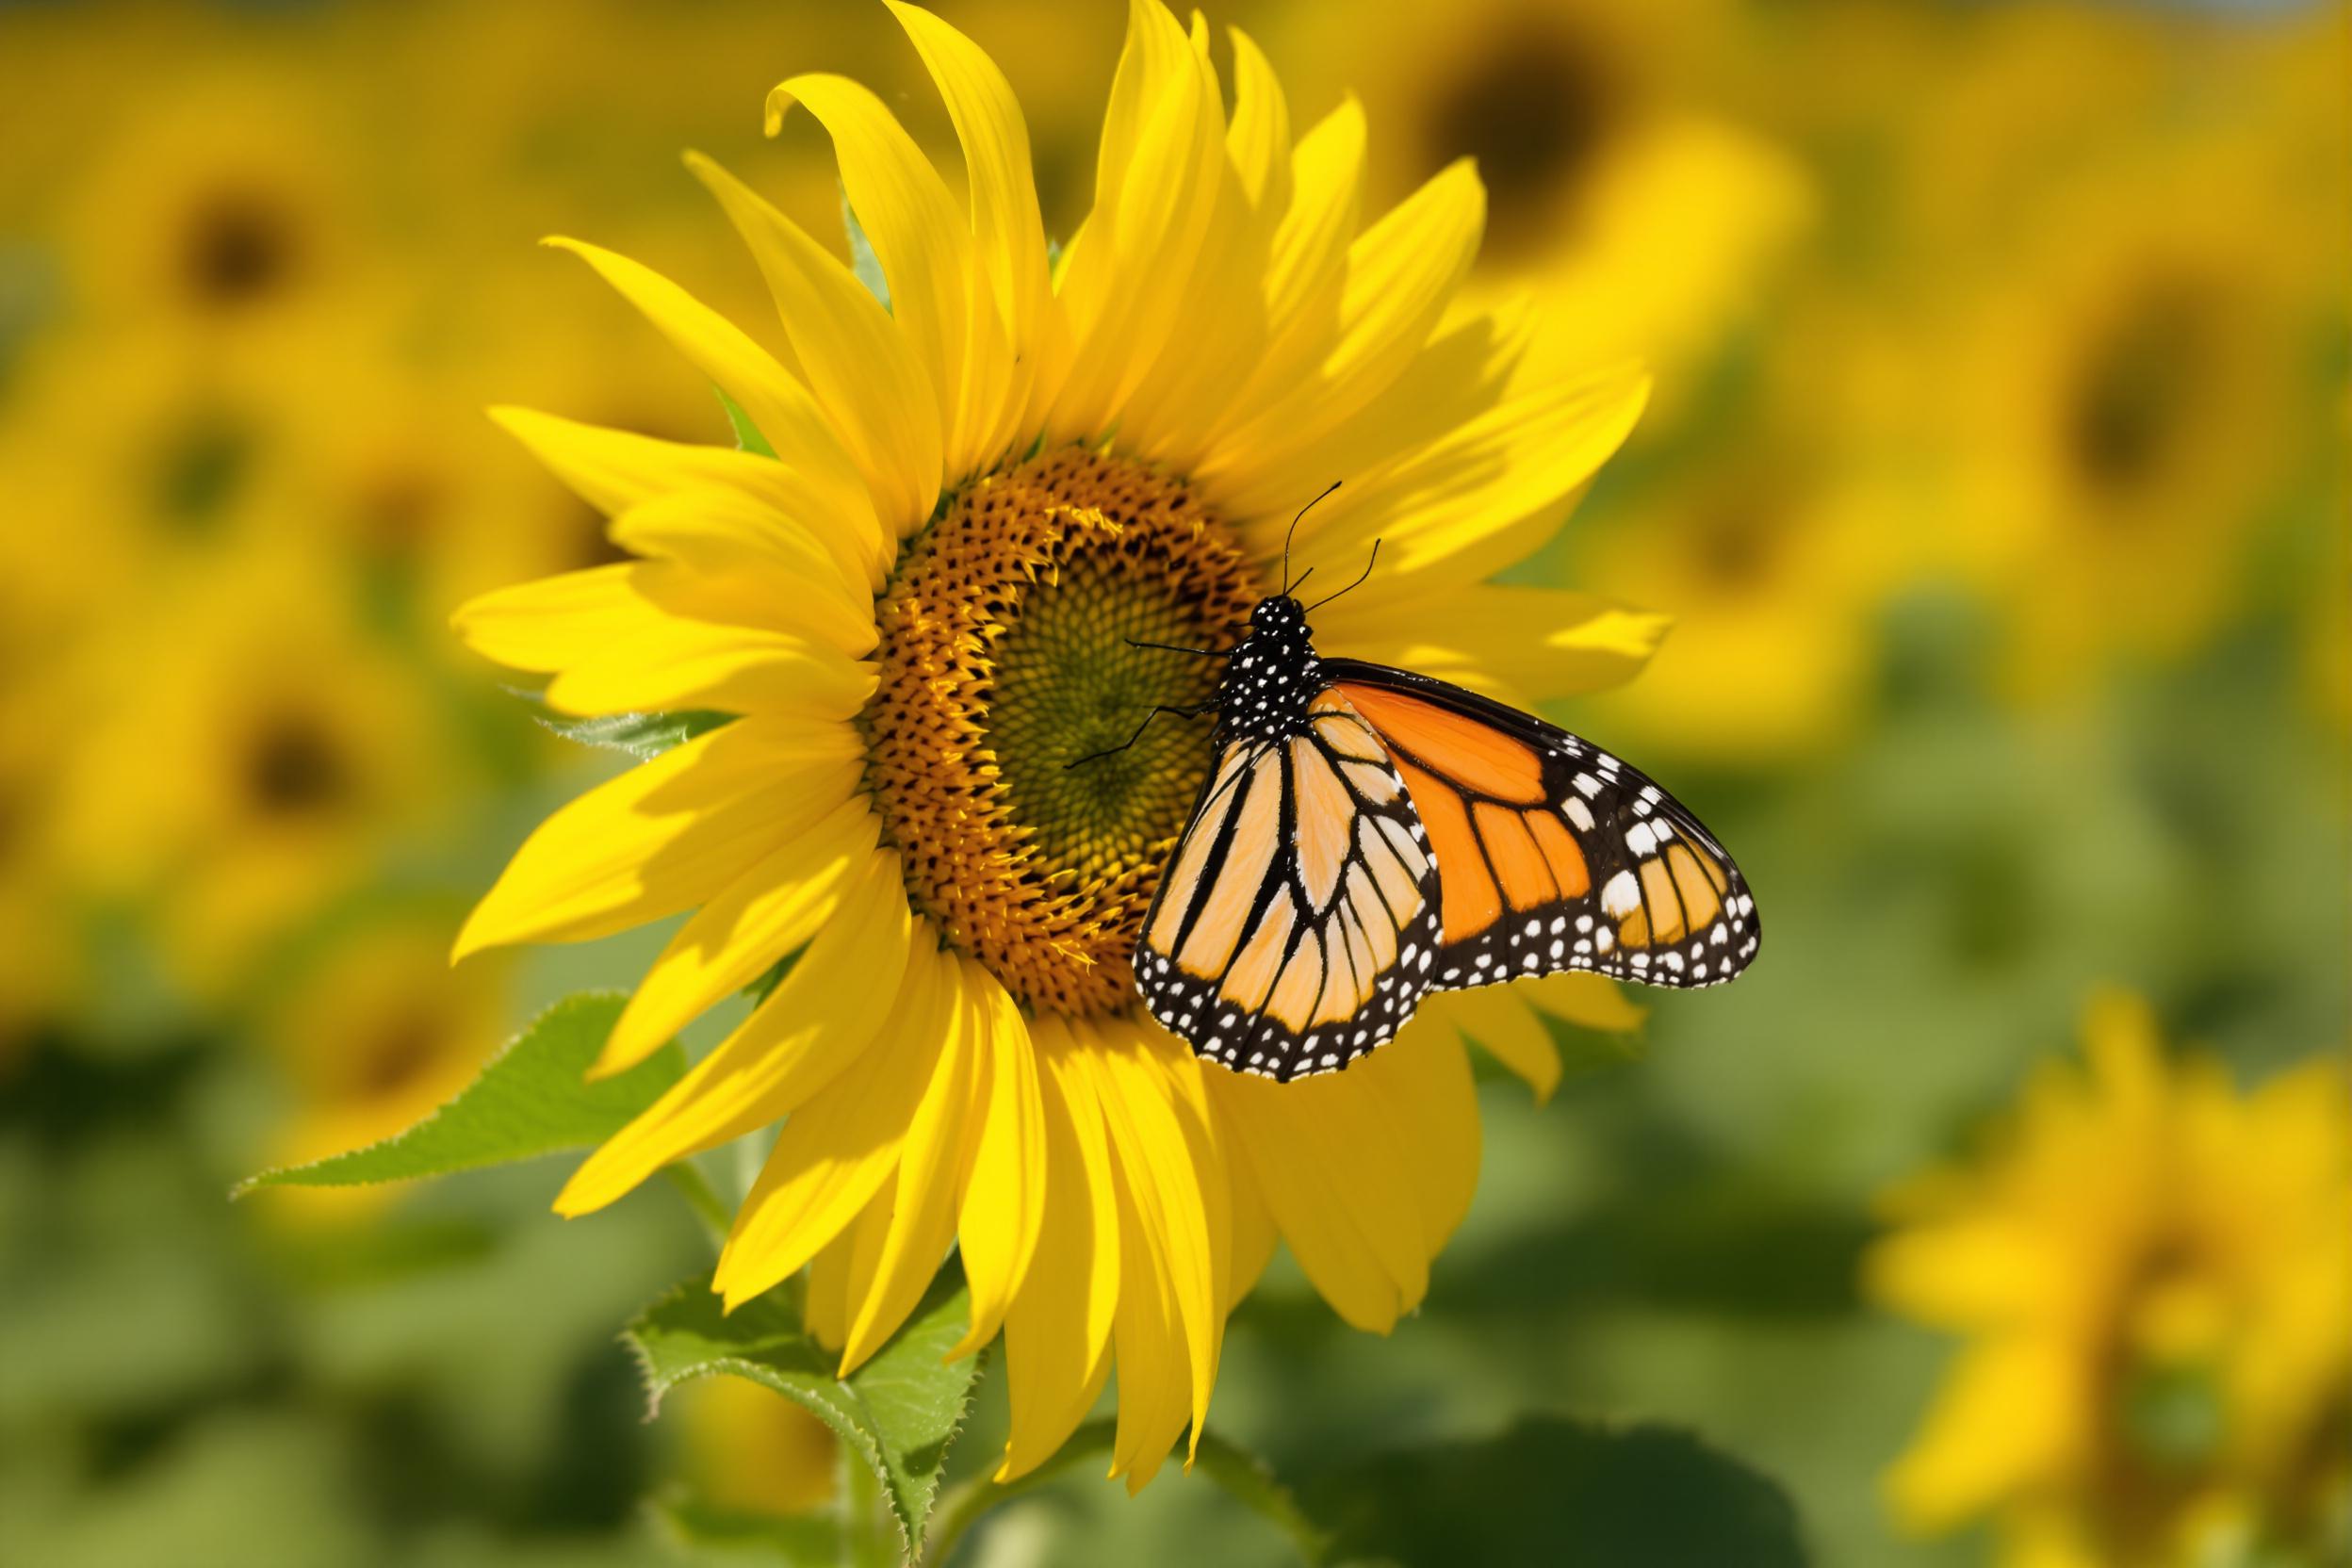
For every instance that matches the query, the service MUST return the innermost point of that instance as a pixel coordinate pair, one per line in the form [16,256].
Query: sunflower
[2153,1272]
[1646,216]
[251,752]
[912,593]
[2124,377]
[371,1033]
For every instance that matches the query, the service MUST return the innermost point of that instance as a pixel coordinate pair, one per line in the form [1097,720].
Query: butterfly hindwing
[1555,855]
[1297,925]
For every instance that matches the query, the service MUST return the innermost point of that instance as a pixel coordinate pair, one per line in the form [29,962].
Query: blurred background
[1996,481]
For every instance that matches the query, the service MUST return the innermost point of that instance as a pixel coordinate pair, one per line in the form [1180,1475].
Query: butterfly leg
[1172,647]
[1209,706]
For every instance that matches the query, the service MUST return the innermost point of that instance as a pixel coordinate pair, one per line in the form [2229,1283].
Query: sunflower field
[676,886]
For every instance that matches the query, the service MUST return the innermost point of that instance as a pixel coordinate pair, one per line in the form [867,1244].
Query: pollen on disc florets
[1004,658]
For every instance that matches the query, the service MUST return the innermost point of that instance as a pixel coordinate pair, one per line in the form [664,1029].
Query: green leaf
[898,1414]
[862,260]
[748,437]
[1576,1494]
[532,1098]
[643,736]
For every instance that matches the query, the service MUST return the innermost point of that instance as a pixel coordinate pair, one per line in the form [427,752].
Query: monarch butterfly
[1367,835]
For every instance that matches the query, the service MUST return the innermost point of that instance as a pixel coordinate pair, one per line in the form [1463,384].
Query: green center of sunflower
[1007,663]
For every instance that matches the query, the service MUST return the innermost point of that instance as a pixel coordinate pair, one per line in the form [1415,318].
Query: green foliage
[1242,1473]
[643,736]
[898,1414]
[1572,1493]
[748,437]
[532,1098]
[709,1533]
[861,257]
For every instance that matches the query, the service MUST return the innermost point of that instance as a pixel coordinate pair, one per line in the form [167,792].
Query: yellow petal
[1401,274]
[614,470]
[1587,1001]
[874,388]
[682,663]
[669,833]
[790,580]
[1004,217]
[1057,1332]
[1480,497]
[1177,1177]
[1157,177]
[1512,1033]
[1254,1236]
[835,1153]
[1524,644]
[1328,1169]
[2011,1413]
[554,621]
[921,1217]
[939,297]
[776,904]
[1308,264]
[779,405]
[1148,1333]
[825,1308]
[1422,1087]
[1459,375]
[1004,1200]
[795,1043]
[1258,140]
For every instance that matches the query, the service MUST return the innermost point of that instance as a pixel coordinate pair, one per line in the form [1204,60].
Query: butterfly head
[1281,615]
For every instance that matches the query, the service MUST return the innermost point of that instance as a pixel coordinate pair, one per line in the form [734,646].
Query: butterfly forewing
[1298,923]
[1555,855]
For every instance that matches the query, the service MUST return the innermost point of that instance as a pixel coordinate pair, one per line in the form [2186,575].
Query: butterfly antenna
[1287,585]
[1351,587]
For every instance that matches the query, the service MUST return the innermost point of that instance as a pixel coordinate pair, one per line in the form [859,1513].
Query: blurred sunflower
[2154,1273]
[213,220]
[1645,222]
[2123,389]
[249,751]
[373,1031]
[919,608]
[750,1450]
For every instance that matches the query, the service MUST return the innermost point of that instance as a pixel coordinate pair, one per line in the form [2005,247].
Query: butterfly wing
[1555,855]
[1297,925]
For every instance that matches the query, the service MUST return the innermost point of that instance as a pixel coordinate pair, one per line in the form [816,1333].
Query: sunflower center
[241,247]
[1005,660]
[2135,391]
[1534,110]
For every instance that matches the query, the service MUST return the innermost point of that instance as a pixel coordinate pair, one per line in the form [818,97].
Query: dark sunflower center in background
[1534,107]
[2135,392]
[241,246]
[293,767]
[1006,659]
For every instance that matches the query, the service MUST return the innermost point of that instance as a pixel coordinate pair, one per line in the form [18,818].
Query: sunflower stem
[965,1505]
[870,1538]
[701,1197]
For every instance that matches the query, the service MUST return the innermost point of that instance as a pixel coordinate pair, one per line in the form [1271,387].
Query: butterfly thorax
[1272,675]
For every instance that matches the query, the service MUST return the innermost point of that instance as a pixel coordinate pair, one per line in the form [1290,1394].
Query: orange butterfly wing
[1552,854]
[1296,928]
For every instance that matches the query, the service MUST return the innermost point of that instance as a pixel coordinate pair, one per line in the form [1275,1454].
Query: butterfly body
[1367,835]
